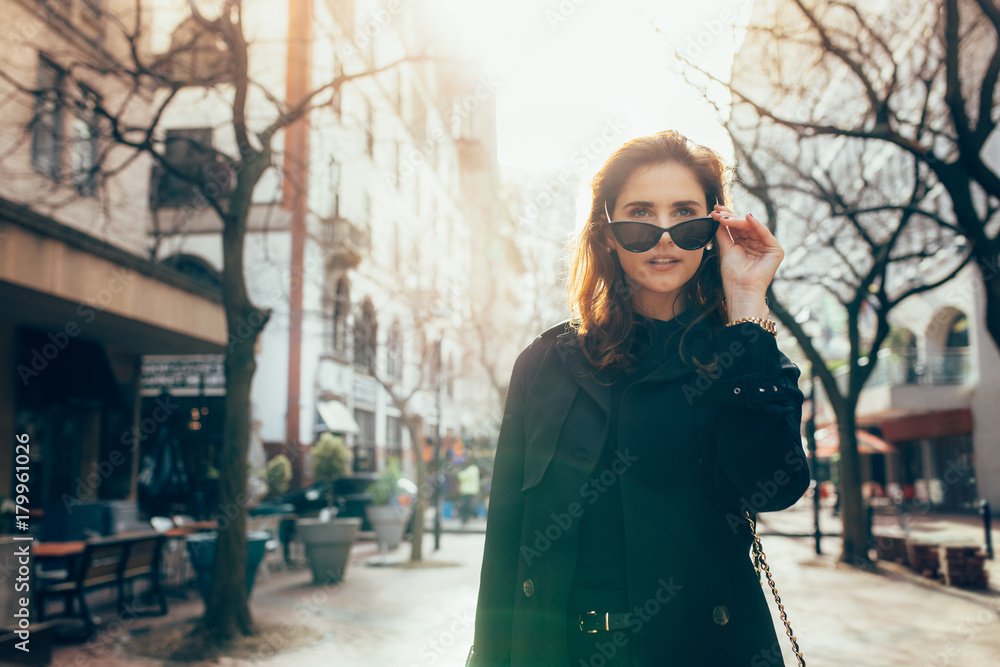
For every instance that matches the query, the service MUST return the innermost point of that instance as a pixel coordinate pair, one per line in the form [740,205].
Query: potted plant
[328,540]
[279,474]
[385,513]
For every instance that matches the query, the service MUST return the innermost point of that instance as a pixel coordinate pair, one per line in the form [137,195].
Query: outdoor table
[193,527]
[42,551]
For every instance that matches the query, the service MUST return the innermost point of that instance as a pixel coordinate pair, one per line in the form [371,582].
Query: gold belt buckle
[594,613]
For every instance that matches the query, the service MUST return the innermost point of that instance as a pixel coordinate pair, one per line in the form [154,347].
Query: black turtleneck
[601,560]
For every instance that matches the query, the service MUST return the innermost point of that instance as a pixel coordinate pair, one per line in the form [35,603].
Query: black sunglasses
[637,236]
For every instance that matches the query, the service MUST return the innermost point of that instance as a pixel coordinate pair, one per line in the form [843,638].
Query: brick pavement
[396,617]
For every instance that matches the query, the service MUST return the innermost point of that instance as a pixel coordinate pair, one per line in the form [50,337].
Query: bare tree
[868,237]
[861,129]
[919,78]
[210,52]
[427,309]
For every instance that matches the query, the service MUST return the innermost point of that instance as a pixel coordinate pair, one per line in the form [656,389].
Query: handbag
[759,564]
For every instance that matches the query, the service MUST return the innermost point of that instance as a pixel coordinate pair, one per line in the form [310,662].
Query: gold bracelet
[766,325]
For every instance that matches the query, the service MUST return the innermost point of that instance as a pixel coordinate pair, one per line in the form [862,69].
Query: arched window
[958,333]
[341,308]
[903,345]
[365,340]
[956,353]
[195,267]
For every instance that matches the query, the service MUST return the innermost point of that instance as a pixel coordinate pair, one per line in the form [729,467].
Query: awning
[828,443]
[335,417]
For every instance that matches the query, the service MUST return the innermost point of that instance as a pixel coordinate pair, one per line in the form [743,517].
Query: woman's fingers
[749,230]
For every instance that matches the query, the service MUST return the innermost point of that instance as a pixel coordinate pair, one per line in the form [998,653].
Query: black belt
[592,622]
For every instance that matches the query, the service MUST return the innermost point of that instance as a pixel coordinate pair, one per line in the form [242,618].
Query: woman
[637,436]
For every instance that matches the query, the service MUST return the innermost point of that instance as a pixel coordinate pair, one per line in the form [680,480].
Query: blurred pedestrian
[468,489]
[637,435]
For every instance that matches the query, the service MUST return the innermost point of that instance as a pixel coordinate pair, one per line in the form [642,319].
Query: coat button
[529,588]
[720,615]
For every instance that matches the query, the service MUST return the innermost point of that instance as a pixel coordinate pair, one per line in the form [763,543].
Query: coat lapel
[572,356]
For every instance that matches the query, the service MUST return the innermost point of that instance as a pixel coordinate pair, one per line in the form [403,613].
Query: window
[198,55]
[366,209]
[394,438]
[419,119]
[46,139]
[369,129]
[365,329]
[364,441]
[189,150]
[341,307]
[394,353]
[394,163]
[336,101]
[83,148]
[334,181]
[436,365]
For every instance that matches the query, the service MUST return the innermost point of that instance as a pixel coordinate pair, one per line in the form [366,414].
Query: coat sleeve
[498,580]
[758,464]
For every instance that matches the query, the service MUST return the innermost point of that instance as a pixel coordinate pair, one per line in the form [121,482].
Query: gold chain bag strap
[760,563]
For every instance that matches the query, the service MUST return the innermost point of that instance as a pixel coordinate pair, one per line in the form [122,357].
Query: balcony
[950,367]
[170,191]
[907,383]
[345,243]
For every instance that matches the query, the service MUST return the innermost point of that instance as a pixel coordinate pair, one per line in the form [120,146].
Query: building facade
[377,240]
[81,302]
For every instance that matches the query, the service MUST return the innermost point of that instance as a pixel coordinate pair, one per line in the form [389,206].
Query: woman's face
[663,194]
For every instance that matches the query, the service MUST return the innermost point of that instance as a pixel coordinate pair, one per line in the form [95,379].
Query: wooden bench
[105,562]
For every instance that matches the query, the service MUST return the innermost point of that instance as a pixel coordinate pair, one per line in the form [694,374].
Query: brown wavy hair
[598,294]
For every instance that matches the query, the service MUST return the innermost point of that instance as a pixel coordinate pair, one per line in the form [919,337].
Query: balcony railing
[950,367]
[346,243]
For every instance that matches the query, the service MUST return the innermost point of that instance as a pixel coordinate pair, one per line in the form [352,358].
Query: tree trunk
[852,509]
[419,503]
[227,613]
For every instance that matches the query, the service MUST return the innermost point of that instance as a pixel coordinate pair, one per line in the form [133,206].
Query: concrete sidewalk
[401,617]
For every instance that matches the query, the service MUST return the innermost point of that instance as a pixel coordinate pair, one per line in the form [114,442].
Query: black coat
[696,449]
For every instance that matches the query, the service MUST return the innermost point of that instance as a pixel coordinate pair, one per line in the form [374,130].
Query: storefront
[76,316]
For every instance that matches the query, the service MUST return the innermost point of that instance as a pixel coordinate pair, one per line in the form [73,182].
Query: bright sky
[576,75]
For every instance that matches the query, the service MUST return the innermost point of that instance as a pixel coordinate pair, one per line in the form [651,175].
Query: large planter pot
[388,522]
[201,548]
[328,546]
